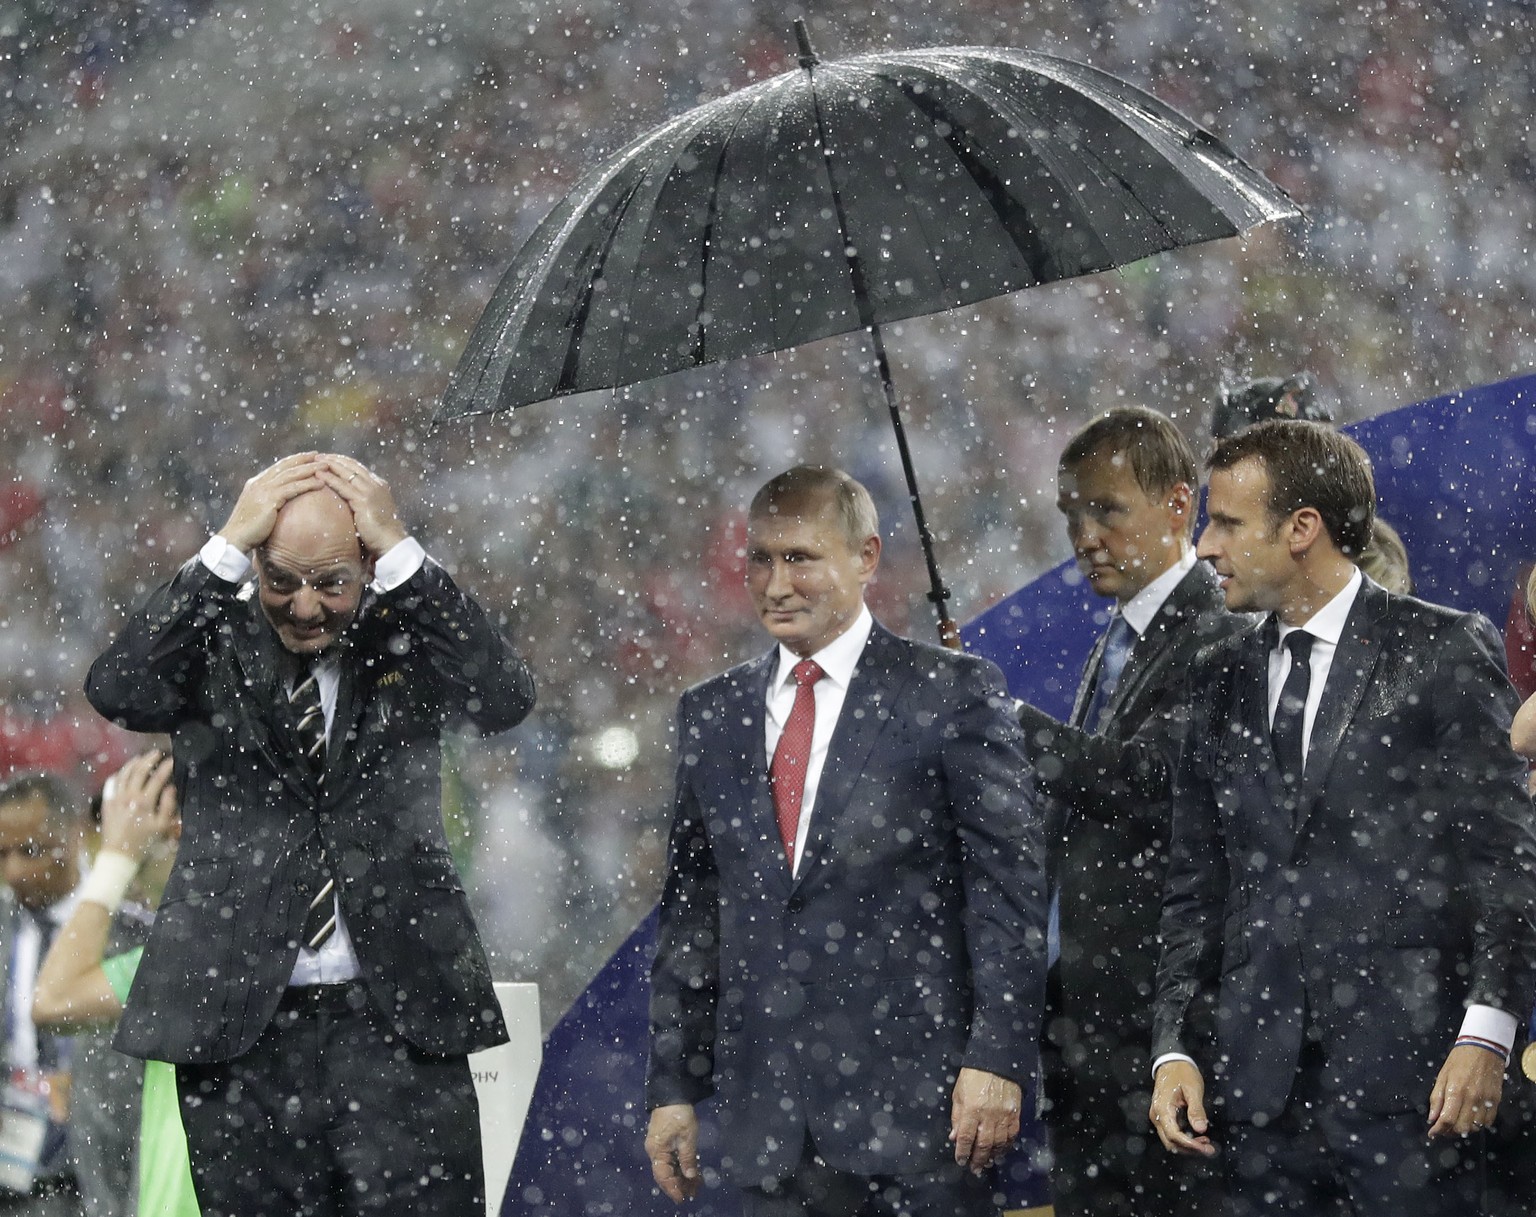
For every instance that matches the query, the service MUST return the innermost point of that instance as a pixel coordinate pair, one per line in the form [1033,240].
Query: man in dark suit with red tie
[852,934]
[313,971]
[1349,922]
[1127,489]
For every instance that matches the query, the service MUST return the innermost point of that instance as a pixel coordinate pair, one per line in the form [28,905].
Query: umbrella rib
[581,309]
[700,328]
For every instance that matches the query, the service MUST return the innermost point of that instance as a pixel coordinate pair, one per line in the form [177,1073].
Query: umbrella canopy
[840,196]
[962,174]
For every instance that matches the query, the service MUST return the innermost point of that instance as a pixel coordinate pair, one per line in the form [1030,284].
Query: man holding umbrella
[1128,486]
[852,935]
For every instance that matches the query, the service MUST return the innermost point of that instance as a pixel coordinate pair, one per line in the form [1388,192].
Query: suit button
[796,904]
[302,887]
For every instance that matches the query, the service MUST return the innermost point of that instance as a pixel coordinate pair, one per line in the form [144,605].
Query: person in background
[1349,919]
[851,946]
[1269,398]
[79,989]
[42,841]
[1127,490]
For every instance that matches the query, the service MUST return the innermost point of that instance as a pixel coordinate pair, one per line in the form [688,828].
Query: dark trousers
[1105,1159]
[1322,1159]
[818,1190]
[329,1114]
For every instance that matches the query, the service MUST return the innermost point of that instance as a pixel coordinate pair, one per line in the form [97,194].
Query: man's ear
[869,557]
[1181,504]
[1306,529]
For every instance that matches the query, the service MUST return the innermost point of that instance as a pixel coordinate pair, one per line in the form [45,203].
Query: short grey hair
[793,489]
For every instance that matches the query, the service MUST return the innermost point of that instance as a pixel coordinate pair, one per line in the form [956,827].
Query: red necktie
[793,754]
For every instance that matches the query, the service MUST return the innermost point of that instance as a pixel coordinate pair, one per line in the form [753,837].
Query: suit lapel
[876,684]
[272,730]
[743,743]
[340,744]
[1182,602]
[1349,675]
[1085,686]
[1253,708]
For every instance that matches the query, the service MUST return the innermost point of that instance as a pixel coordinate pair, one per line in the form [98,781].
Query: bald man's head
[311,572]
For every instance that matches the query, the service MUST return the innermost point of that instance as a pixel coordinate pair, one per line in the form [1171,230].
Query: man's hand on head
[373,506]
[255,512]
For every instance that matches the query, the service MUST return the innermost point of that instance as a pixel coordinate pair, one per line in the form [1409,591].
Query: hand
[672,1145]
[983,1117]
[1467,1092]
[255,511]
[138,807]
[1178,1110]
[367,494]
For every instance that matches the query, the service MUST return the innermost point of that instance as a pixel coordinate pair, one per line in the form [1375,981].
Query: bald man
[313,971]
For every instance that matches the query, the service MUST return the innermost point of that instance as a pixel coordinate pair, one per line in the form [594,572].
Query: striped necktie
[309,711]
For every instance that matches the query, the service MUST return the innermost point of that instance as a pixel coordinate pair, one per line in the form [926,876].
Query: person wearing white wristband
[81,987]
[1347,928]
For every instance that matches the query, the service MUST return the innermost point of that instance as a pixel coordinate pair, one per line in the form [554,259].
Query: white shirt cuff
[1489,1024]
[224,560]
[1171,1056]
[398,565]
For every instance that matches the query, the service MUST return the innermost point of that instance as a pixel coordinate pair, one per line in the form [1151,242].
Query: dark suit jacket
[1396,890]
[1108,822]
[200,661]
[846,1000]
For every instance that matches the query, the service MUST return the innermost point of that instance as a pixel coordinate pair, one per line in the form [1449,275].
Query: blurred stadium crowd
[232,231]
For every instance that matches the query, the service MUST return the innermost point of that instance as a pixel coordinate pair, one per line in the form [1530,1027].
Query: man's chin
[305,644]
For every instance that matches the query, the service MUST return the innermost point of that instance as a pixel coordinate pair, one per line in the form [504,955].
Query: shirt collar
[1327,624]
[1141,610]
[838,658]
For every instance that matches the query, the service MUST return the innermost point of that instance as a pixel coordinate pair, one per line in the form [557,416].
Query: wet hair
[65,811]
[1264,400]
[1385,559]
[1530,595]
[793,489]
[1160,456]
[1310,465]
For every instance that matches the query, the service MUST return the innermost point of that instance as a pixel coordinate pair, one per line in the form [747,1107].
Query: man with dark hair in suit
[1127,487]
[42,834]
[852,934]
[1348,919]
[313,971]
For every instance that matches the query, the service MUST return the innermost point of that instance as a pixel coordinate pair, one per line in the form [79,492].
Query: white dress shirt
[336,960]
[837,660]
[1141,610]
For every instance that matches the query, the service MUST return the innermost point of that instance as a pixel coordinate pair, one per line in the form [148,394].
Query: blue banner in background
[1456,476]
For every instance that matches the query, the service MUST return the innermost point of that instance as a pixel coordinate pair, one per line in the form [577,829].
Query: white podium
[504,1078]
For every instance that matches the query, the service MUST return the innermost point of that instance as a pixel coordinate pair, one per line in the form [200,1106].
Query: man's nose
[305,605]
[1204,550]
[779,582]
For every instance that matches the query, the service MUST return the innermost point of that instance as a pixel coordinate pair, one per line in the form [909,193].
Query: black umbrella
[839,196]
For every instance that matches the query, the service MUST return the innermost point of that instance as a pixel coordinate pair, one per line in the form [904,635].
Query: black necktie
[1290,714]
[320,919]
